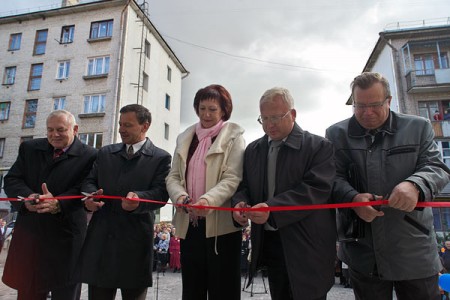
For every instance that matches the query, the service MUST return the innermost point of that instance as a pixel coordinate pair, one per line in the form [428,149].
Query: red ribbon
[270,208]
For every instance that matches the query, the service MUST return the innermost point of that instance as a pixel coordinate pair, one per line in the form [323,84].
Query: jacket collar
[147,149]
[389,127]
[75,149]
[229,131]
[293,140]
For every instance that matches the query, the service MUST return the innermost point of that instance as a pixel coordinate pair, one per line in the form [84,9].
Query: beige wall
[75,87]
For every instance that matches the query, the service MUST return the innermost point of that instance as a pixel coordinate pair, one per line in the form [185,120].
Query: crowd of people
[166,249]
[375,154]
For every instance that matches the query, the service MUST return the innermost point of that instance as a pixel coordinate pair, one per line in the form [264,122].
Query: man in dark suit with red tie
[49,233]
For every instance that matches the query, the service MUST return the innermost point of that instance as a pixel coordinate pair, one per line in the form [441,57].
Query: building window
[25,138]
[35,77]
[145,81]
[59,103]
[167,104]
[14,41]
[427,109]
[92,139]
[94,104]
[147,49]
[425,64]
[29,117]
[10,75]
[446,152]
[2,147]
[4,110]
[166,131]
[40,42]
[101,29]
[169,74]
[67,33]
[98,66]
[63,69]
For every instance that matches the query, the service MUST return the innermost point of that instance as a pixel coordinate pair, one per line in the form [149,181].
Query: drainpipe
[116,107]
[397,73]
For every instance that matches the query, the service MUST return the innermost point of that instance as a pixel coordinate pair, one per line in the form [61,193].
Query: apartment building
[91,59]
[414,57]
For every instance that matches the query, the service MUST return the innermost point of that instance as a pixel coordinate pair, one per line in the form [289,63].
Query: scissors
[186,201]
[32,202]
[89,195]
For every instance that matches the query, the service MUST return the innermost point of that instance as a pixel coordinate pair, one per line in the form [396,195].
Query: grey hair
[61,112]
[269,95]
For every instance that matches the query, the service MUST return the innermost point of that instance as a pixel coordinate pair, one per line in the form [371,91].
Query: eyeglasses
[376,105]
[272,119]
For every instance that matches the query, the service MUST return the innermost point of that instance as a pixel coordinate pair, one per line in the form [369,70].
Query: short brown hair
[216,92]
[367,79]
[142,113]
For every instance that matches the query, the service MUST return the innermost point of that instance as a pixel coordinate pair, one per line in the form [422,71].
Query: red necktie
[57,153]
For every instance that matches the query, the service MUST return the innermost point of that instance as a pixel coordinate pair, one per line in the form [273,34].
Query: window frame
[67,34]
[59,103]
[145,80]
[26,138]
[2,146]
[93,65]
[7,78]
[167,102]
[96,29]
[13,41]
[5,112]
[426,109]
[30,113]
[426,63]
[166,131]
[169,74]
[89,99]
[64,73]
[35,77]
[86,137]
[147,49]
[40,42]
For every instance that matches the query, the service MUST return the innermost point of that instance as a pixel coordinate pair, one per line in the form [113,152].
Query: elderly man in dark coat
[48,235]
[298,247]
[118,251]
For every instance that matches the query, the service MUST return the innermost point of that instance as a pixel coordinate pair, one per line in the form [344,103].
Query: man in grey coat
[118,251]
[383,154]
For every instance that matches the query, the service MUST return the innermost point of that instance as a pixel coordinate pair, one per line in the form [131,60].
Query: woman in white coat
[206,171]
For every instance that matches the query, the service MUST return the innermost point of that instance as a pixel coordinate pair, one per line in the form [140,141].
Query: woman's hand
[183,200]
[200,212]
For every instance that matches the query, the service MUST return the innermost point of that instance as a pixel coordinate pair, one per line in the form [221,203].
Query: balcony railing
[441,128]
[417,79]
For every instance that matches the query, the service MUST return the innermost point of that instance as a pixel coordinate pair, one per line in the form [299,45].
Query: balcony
[424,81]
[441,128]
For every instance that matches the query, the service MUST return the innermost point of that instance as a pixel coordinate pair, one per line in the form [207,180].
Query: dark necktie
[57,153]
[130,151]
[272,166]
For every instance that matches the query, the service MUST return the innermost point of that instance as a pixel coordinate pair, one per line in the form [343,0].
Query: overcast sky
[313,48]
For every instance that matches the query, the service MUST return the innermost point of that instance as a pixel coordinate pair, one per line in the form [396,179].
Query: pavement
[168,287]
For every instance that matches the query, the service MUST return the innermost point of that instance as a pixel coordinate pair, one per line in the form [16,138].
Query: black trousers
[99,293]
[273,259]
[205,274]
[70,292]
[373,288]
